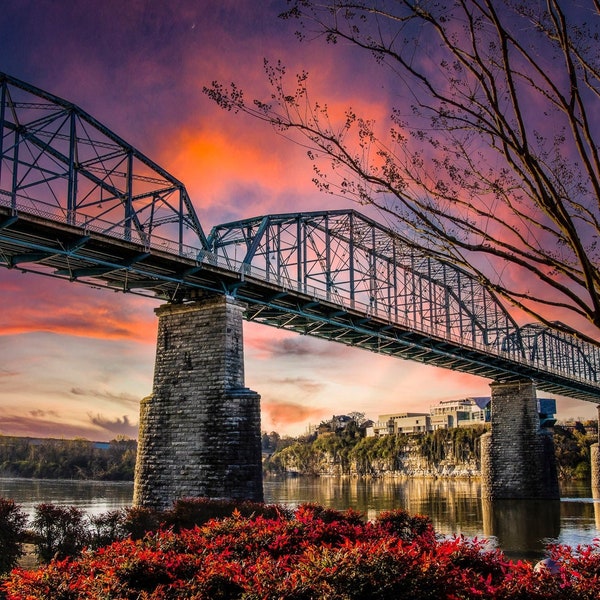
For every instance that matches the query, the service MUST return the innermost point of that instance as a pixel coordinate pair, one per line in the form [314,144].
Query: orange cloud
[71,309]
[235,166]
[229,173]
[280,413]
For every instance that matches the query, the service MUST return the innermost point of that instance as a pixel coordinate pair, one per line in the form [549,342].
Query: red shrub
[315,553]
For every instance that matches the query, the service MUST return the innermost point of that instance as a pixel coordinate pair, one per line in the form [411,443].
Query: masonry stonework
[595,463]
[199,433]
[517,457]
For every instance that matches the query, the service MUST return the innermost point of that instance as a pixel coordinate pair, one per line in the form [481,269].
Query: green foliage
[299,457]
[460,443]
[273,442]
[67,459]
[349,452]
[372,453]
[572,448]
[12,533]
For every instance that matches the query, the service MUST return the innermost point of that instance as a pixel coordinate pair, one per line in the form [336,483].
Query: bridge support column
[199,432]
[595,463]
[517,457]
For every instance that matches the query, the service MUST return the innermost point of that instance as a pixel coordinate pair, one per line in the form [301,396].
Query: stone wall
[517,457]
[595,463]
[199,433]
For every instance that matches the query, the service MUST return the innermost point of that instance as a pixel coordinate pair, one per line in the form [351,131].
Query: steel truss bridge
[79,203]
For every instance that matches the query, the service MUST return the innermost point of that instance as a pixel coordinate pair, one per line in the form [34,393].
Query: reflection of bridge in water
[77,202]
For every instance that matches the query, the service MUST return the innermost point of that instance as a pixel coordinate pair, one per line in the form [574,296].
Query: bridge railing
[383,316]
[89,223]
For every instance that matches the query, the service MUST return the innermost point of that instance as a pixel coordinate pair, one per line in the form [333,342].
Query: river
[520,528]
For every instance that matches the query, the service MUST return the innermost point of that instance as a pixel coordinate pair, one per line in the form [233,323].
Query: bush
[60,531]
[399,522]
[190,512]
[107,528]
[12,532]
[140,520]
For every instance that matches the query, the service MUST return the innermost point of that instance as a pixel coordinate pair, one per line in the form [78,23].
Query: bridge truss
[351,261]
[59,162]
[342,276]
[79,203]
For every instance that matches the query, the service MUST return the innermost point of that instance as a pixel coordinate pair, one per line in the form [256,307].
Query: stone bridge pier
[199,433]
[595,464]
[517,456]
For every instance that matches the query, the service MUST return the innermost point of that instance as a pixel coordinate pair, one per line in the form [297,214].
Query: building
[400,423]
[460,413]
[449,414]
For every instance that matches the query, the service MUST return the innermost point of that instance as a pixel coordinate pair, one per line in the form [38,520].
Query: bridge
[77,202]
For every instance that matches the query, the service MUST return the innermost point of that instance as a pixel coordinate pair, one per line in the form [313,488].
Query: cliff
[448,453]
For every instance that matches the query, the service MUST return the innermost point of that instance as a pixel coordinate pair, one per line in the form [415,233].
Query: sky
[75,361]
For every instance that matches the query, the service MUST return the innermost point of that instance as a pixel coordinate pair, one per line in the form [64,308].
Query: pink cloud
[53,424]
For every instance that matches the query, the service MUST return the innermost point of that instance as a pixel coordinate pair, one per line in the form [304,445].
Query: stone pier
[199,433]
[595,463]
[517,456]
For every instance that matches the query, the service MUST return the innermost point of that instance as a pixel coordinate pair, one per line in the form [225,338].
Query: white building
[460,413]
[448,414]
[445,415]
[400,423]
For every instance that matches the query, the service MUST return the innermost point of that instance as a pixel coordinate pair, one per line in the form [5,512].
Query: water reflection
[522,528]
[453,506]
[93,497]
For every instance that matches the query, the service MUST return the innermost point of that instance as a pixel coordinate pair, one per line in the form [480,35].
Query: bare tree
[491,157]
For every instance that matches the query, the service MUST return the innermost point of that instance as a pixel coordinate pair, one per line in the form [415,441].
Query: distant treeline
[67,459]
[343,450]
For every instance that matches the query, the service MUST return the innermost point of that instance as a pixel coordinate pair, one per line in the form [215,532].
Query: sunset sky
[75,361]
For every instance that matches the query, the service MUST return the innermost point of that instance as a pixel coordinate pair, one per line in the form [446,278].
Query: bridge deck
[32,243]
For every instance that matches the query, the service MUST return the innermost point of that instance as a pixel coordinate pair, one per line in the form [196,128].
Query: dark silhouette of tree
[490,156]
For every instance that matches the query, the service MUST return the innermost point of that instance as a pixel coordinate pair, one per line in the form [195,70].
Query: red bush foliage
[315,553]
